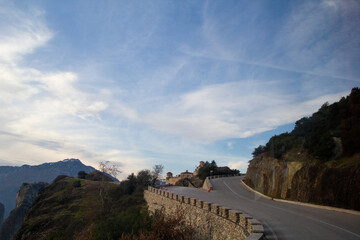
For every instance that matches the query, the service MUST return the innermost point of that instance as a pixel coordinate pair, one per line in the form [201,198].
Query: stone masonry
[209,220]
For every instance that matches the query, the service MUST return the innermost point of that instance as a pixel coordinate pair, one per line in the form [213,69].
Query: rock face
[11,178]
[25,197]
[271,176]
[306,182]
[318,161]
[2,210]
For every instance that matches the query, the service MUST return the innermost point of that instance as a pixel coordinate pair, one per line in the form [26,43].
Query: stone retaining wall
[210,221]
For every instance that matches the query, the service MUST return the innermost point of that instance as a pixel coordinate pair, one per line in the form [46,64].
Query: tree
[204,171]
[82,174]
[213,165]
[112,170]
[144,177]
[259,150]
[157,171]
[106,168]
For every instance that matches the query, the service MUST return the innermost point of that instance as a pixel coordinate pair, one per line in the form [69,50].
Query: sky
[140,83]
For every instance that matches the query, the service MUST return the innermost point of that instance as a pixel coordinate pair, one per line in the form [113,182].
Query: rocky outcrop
[271,176]
[24,198]
[339,187]
[310,182]
[11,178]
[2,210]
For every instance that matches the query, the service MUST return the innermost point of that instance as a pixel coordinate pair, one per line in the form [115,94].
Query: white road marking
[295,213]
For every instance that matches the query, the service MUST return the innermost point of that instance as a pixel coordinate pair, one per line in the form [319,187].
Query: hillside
[65,208]
[73,208]
[12,178]
[317,162]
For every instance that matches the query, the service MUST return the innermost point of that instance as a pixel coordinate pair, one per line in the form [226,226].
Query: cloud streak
[232,110]
[170,86]
[40,109]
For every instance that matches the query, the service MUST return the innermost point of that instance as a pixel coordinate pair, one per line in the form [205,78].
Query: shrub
[77,184]
[130,221]
[164,227]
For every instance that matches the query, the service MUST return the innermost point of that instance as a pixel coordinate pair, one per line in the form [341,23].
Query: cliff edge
[24,199]
[306,182]
[318,162]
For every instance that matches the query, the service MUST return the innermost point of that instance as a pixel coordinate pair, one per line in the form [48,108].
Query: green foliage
[212,169]
[77,184]
[82,174]
[143,177]
[279,144]
[340,120]
[60,177]
[131,220]
[259,150]
[205,170]
[71,208]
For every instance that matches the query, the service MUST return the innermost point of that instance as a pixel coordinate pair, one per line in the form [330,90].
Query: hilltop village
[171,180]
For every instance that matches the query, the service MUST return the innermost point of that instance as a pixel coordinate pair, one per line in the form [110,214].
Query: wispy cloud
[232,110]
[265,65]
[21,34]
[140,84]
[44,116]
[230,145]
[310,41]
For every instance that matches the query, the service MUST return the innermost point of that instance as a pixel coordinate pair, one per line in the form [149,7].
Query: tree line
[331,132]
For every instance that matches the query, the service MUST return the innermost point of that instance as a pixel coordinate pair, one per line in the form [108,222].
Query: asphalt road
[280,220]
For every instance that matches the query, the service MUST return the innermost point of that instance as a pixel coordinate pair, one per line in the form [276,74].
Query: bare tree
[157,171]
[112,170]
[106,169]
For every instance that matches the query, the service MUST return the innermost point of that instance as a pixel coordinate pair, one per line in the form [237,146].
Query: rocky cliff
[11,178]
[317,162]
[306,182]
[24,198]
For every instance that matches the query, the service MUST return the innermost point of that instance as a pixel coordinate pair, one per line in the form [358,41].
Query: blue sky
[140,83]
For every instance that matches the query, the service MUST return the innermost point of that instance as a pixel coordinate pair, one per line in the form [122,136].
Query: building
[171,180]
[198,167]
[186,174]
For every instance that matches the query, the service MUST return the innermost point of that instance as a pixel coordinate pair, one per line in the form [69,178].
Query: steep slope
[24,198]
[74,208]
[65,208]
[13,177]
[318,162]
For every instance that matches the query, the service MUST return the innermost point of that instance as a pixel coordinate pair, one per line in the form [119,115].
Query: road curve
[280,220]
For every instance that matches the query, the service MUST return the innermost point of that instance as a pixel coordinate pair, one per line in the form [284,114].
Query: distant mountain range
[11,178]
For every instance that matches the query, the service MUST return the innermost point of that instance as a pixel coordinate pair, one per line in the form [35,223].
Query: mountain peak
[73,160]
